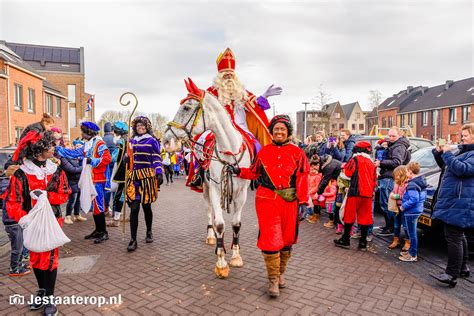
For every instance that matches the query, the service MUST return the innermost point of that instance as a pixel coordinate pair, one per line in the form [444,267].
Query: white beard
[229,90]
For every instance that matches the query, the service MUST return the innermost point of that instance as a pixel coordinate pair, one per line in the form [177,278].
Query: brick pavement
[174,275]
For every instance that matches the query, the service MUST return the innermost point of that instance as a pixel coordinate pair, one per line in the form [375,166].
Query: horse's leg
[211,238]
[239,201]
[222,268]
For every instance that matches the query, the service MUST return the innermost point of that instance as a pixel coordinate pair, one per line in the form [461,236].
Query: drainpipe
[9,108]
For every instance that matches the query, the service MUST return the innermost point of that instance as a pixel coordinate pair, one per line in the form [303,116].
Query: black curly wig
[143,120]
[33,151]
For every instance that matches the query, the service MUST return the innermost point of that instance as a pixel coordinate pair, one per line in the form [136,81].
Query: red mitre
[226,61]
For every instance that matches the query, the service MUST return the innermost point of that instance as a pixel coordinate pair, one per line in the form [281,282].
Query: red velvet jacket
[363,175]
[281,167]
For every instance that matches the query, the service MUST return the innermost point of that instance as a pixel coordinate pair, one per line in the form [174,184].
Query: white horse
[201,111]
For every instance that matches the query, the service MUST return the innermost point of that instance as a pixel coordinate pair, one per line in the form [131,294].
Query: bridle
[195,116]
[226,181]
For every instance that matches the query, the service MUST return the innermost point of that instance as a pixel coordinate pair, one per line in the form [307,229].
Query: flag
[90,103]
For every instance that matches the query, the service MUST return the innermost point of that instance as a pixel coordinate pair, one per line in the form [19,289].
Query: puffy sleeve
[462,167]
[104,156]
[70,153]
[253,172]
[350,168]
[156,157]
[61,191]
[14,199]
[302,178]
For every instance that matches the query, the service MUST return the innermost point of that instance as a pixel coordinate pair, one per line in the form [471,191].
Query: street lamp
[304,119]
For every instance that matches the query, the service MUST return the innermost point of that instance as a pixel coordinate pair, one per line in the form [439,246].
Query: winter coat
[37,127]
[397,155]
[330,191]
[73,169]
[362,172]
[414,196]
[348,147]
[315,149]
[455,203]
[400,190]
[333,151]
[330,168]
[380,153]
[314,181]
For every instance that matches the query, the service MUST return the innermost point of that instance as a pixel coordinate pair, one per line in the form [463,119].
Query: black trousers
[46,280]
[134,210]
[458,254]
[118,203]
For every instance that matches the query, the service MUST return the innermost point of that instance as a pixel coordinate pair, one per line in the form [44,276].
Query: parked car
[416,143]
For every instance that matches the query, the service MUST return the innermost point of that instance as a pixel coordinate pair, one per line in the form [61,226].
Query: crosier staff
[127,145]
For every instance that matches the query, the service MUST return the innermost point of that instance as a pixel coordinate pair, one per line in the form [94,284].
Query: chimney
[449,83]
[409,89]
[423,90]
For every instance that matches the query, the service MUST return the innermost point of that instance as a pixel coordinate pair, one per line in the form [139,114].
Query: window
[433,117]
[390,121]
[71,93]
[334,126]
[452,116]
[72,117]
[18,97]
[337,115]
[361,127]
[410,119]
[425,118]
[18,131]
[384,122]
[58,107]
[466,113]
[341,126]
[31,100]
[353,127]
[357,115]
[402,120]
[49,104]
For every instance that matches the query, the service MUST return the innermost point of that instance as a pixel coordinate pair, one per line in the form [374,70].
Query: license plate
[424,220]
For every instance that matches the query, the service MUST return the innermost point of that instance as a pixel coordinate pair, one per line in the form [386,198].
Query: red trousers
[360,206]
[277,221]
[47,260]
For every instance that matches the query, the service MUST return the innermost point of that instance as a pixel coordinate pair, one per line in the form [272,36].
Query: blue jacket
[334,152]
[348,147]
[455,203]
[414,196]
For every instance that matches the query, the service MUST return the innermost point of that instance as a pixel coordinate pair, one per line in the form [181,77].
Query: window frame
[58,107]
[424,118]
[18,94]
[31,96]
[450,120]
[466,118]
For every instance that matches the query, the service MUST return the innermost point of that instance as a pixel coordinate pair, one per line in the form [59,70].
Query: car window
[424,157]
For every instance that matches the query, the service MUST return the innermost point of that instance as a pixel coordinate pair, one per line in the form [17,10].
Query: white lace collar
[362,154]
[144,136]
[30,168]
[88,145]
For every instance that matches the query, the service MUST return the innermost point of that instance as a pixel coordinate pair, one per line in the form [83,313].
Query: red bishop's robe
[279,167]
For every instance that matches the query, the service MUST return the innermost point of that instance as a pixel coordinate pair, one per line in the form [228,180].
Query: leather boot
[132,245]
[395,243]
[284,257]
[272,262]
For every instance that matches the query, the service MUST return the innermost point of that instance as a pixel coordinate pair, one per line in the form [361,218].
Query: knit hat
[285,119]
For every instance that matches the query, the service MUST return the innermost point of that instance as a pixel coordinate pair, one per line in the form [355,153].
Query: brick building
[436,112]
[63,68]
[24,96]
[316,121]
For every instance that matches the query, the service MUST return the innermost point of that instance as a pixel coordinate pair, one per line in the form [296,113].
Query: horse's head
[188,121]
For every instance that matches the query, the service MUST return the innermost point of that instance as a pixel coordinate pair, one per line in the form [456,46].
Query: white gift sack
[88,192]
[342,209]
[41,230]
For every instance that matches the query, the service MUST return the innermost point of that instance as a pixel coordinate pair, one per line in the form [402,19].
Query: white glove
[271,91]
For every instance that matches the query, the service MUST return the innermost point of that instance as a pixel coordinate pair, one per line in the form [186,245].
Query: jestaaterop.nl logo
[18,299]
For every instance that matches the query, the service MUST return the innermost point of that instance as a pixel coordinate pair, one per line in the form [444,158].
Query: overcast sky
[350,47]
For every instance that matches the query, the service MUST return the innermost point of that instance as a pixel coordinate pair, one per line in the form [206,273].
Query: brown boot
[395,243]
[313,219]
[272,261]
[284,257]
[406,246]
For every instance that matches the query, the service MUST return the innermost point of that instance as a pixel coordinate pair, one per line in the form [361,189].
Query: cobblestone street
[174,275]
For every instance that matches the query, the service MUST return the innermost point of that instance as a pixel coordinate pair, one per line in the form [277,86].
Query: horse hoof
[236,262]
[211,241]
[222,273]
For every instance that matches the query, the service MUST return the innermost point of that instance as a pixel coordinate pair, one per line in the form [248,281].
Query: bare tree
[322,98]
[375,98]
[159,123]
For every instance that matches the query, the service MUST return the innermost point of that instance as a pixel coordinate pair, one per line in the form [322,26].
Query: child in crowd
[314,180]
[400,176]
[381,149]
[412,207]
[330,199]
